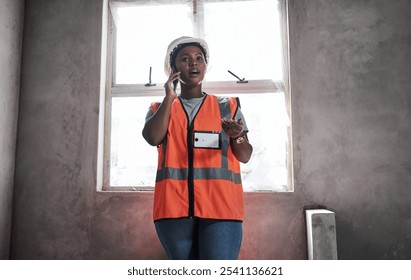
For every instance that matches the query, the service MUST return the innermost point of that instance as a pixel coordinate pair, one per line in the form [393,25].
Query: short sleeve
[239,115]
[150,114]
[152,109]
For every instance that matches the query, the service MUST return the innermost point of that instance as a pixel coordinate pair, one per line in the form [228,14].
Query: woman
[201,138]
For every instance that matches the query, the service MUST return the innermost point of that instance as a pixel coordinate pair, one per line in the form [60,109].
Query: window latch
[240,81]
[149,84]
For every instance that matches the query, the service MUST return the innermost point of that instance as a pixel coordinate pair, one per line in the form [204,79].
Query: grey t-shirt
[192,105]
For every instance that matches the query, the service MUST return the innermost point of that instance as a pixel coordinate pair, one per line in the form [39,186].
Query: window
[250,46]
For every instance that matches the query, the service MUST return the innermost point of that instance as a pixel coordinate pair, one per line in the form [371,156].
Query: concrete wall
[351,117]
[351,70]
[11,34]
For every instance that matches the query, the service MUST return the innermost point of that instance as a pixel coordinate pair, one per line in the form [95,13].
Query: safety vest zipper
[190,146]
[190,179]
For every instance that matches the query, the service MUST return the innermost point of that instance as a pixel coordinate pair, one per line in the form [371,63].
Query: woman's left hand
[233,128]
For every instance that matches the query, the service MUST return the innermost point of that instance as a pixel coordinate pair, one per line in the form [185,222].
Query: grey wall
[351,70]
[350,66]
[11,34]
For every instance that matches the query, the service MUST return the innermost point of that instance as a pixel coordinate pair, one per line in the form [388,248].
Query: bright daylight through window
[244,36]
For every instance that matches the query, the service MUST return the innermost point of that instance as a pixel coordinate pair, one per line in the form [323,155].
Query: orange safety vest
[198,182]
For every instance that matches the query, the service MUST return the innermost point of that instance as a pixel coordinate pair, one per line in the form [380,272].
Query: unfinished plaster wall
[11,34]
[58,213]
[351,78]
[351,123]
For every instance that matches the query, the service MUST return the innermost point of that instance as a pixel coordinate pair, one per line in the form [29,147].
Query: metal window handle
[149,84]
[240,81]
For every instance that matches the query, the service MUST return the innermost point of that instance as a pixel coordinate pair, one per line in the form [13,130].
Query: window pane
[134,162]
[143,34]
[244,37]
[267,122]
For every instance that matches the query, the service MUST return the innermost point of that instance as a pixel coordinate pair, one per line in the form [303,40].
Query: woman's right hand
[169,85]
[155,129]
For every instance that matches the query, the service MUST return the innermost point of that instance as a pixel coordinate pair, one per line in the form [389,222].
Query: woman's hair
[176,50]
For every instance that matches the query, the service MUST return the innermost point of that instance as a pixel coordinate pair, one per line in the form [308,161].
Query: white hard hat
[183,40]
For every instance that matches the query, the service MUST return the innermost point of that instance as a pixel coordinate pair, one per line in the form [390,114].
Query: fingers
[232,127]
[173,77]
[169,87]
[232,123]
[227,124]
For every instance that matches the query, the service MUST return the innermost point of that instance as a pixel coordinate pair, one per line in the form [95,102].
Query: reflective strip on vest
[225,112]
[199,174]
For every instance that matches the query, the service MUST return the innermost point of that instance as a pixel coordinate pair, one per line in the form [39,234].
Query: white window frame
[138,90]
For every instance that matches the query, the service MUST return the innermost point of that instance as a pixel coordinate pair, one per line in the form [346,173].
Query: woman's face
[190,62]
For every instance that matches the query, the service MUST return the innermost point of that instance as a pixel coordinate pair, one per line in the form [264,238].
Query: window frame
[112,89]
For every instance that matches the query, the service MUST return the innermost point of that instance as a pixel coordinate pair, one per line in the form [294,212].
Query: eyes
[198,58]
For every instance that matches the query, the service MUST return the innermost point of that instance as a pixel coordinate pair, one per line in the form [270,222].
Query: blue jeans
[203,239]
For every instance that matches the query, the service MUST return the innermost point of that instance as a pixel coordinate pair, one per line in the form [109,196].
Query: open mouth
[194,73]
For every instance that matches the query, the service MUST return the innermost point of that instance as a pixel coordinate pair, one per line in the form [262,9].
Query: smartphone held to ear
[175,82]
